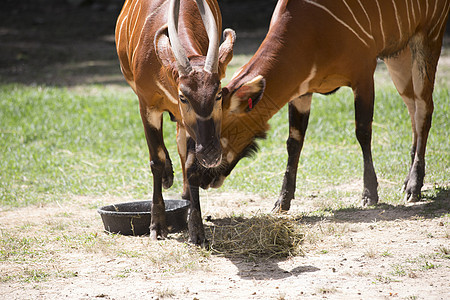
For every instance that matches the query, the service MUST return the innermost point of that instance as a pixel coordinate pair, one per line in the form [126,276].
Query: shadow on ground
[434,204]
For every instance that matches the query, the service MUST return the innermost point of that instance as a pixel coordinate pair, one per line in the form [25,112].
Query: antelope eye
[219,96]
[182,98]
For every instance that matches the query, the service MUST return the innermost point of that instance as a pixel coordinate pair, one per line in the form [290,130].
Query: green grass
[58,142]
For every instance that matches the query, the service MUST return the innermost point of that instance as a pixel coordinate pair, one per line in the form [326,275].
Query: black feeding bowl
[133,218]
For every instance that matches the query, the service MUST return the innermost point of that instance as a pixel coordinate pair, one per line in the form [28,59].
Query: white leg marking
[304,86]
[302,104]
[154,118]
[294,134]
[356,20]
[337,19]
[161,154]
[381,24]
[167,93]
[398,20]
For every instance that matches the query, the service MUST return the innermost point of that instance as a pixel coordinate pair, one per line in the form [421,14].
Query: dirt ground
[397,252]
[57,251]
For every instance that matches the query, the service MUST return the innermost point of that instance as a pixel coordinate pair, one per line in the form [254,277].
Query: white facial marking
[230,157]
[224,142]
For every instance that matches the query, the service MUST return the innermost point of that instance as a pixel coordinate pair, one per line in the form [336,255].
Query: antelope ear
[244,98]
[226,50]
[162,47]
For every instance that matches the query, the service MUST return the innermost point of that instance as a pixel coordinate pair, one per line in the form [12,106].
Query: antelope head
[198,84]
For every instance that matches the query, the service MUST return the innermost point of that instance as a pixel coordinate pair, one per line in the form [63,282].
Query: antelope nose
[209,155]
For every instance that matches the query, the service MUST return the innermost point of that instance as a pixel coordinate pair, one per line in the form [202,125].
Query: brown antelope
[317,46]
[169,54]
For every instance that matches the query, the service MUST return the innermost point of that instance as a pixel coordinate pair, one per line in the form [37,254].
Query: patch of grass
[385,279]
[56,142]
[398,270]
[260,235]
[428,265]
[370,253]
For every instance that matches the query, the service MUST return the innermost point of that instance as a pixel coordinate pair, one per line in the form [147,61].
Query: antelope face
[200,103]
[199,90]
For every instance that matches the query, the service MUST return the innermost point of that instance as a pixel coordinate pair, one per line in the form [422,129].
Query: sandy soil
[399,252]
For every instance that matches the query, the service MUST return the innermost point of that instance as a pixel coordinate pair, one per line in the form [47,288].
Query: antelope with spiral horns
[317,46]
[169,54]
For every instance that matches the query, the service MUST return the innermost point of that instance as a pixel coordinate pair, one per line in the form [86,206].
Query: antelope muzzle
[207,147]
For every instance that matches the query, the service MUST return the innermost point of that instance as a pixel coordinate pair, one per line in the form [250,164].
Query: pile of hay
[259,236]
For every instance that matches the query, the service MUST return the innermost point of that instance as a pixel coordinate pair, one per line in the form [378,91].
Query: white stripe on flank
[408,13]
[337,19]
[142,29]
[130,13]
[398,21]
[356,20]
[434,10]
[119,37]
[381,23]
[426,8]
[367,15]
[413,12]
[136,18]
[440,23]
[166,93]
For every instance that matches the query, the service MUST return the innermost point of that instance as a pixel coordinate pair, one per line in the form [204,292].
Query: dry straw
[258,236]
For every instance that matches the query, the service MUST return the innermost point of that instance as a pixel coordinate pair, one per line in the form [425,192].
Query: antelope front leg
[299,109]
[161,168]
[364,101]
[195,223]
